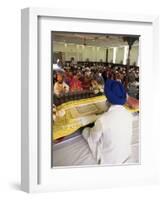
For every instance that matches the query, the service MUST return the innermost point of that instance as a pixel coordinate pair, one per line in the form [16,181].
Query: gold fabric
[77,114]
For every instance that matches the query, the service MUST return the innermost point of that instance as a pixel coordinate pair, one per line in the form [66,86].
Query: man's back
[110,138]
[117,133]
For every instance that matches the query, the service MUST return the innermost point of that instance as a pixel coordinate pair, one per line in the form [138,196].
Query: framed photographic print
[87,114]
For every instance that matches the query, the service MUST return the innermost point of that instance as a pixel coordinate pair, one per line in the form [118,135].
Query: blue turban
[115,92]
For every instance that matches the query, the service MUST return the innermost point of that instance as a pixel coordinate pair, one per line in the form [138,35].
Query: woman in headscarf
[75,83]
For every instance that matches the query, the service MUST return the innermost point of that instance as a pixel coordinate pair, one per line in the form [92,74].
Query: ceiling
[100,40]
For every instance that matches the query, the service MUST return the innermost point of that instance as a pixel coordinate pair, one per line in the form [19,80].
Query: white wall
[110,54]
[80,52]
[93,53]
[120,55]
[134,52]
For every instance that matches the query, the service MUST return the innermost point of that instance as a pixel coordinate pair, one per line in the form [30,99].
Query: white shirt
[60,88]
[110,139]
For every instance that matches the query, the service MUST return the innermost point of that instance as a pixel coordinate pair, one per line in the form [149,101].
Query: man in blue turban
[115,92]
[110,138]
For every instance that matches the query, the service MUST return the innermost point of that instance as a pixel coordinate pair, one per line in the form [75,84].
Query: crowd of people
[72,79]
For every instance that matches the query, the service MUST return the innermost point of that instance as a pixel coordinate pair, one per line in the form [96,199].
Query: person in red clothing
[86,82]
[68,77]
[75,84]
[132,102]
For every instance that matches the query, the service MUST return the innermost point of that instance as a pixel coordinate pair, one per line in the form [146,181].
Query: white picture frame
[36,171]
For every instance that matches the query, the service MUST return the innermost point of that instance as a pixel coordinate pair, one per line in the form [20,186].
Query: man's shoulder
[103,116]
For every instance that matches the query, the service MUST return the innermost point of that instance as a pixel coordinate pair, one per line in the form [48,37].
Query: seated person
[68,77]
[75,84]
[118,77]
[110,138]
[133,88]
[86,82]
[99,78]
[96,87]
[60,87]
[132,102]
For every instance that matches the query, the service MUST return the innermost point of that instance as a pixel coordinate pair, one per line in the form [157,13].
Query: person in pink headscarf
[75,84]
